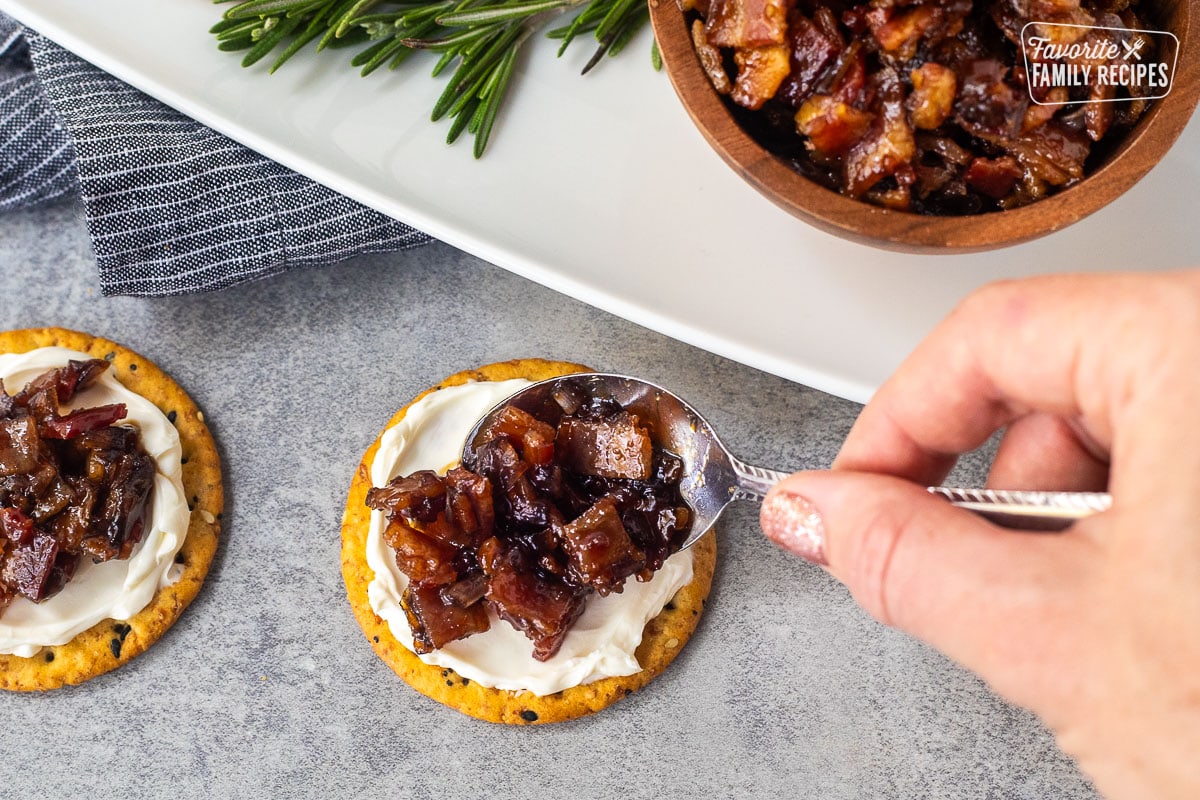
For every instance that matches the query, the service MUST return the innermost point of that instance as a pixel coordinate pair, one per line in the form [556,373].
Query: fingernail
[793,523]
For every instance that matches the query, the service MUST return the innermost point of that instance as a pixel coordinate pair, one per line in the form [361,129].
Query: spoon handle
[753,482]
[1045,511]
[1027,510]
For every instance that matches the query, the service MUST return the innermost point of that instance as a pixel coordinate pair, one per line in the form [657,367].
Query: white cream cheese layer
[116,589]
[603,640]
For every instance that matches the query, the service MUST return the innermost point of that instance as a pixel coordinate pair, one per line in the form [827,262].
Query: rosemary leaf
[237,29]
[335,12]
[400,57]
[348,18]
[368,55]
[477,63]
[615,18]
[446,42]
[421,14]
[633,23]
[352,39]
[442,63]
[233,45]
[273,37]
[311,32]
[391,48]
[460,122]
[259,8]
[469,97]
[476,120]
[585,22]
[493,103]
[500,12]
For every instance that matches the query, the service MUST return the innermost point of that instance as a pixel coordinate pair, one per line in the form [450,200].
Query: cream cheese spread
[116,589]
[603,640]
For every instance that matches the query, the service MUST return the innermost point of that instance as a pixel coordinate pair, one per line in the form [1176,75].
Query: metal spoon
[713,478]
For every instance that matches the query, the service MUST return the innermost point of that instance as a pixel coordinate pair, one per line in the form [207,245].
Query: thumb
[973,590]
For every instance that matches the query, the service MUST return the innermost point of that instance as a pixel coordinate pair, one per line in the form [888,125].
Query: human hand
[1096,382]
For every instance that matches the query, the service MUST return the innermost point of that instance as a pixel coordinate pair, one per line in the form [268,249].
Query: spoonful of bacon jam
[71,485]
[556,500]
[573,485]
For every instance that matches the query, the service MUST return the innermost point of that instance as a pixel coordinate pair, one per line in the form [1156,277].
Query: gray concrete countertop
[266,687]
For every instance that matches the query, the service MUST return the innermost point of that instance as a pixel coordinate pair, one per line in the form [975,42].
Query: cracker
[108,644]
[662,639]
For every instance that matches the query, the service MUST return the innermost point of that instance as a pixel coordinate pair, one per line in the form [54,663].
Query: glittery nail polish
[794,523]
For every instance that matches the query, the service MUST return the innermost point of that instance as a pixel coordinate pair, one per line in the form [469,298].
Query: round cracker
[662,639]
[108,644]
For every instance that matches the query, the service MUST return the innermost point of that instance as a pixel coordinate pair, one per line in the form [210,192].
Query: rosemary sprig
[483,39]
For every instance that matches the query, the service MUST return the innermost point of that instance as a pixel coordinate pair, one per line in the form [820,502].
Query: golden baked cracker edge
[663,637]
[109,644]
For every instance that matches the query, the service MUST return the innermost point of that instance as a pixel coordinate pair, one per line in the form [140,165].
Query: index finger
[1069,345]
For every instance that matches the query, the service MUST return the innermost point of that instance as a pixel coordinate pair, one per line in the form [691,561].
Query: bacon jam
[550,511]
[72,485]
[919,105]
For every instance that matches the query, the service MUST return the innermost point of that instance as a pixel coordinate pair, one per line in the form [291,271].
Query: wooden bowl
[863,222]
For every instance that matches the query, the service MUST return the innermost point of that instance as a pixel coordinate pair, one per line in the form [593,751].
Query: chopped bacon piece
[20,446]
[543,609]
[710,60]
[945,148]
[1039,114]
[1043,8]
[470,504]
[81,421]
[850,84]
[499,462]
[832,127]
[66,381]
[813,44]
[533,438]
[1098,113]
[760,71]
[467,591]
[17,527]
[74,527]
[420,496]
[1052,153]
[988,106]
[887,146]
[599,547]
[35,571]
[900,35]
[932,98]
[436,623]
[422,558]
[995,177]
[618,447]
[747,23]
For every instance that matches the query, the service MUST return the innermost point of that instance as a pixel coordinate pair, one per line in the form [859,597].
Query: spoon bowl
[713,477]
[710,473]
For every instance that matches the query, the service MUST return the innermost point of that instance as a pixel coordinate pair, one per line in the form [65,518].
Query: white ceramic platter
[599,187]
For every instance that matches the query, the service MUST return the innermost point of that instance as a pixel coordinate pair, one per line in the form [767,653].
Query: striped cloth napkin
[172,206]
